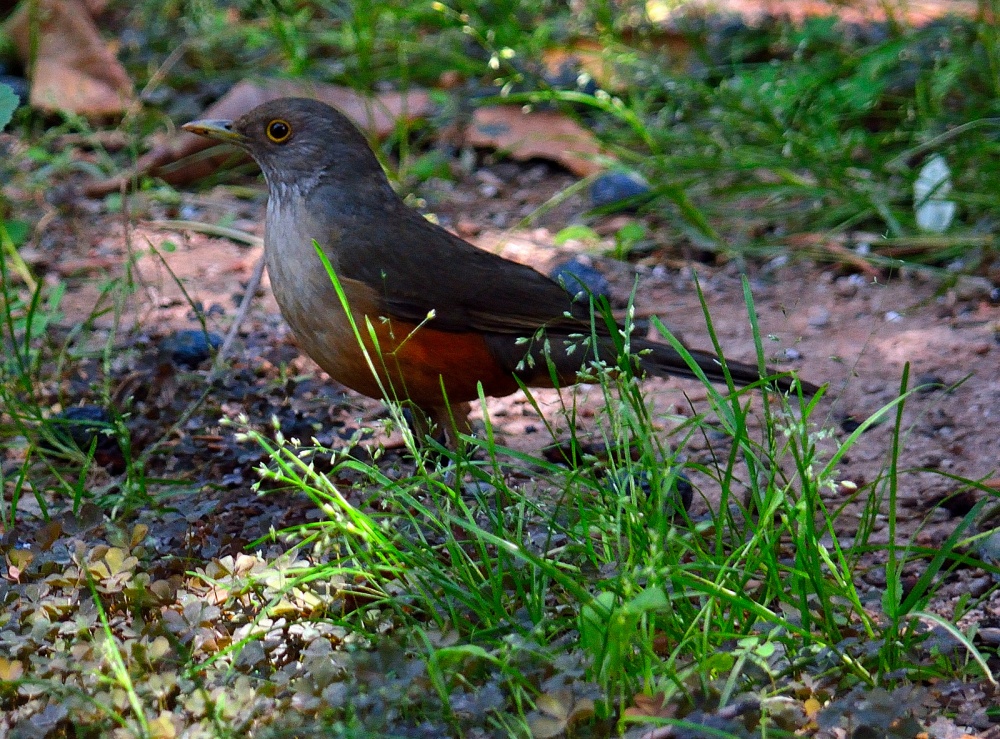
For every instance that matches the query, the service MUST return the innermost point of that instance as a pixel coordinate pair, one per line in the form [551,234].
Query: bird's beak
[220,130]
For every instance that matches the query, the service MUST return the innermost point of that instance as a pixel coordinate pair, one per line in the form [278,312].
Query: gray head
[298,141]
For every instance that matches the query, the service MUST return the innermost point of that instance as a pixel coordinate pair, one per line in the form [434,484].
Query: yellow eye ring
[279,131]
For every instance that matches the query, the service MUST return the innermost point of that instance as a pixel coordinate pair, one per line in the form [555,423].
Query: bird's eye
[279,131]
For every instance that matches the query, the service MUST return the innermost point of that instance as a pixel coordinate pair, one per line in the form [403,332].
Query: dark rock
[618,187]
[80,424]
[79,427]
[929,382]
[849,424]
[581,279]
[681,485]
[190,347]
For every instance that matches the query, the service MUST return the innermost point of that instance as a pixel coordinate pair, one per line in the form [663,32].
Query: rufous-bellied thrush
[446,316]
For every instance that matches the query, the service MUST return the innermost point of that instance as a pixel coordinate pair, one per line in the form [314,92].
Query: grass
[615,579]
[488,588]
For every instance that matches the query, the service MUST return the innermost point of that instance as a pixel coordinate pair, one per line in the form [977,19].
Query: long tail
[655,358]
[662,360]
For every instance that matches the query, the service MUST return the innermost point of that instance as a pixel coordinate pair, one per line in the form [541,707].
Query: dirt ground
[850,331]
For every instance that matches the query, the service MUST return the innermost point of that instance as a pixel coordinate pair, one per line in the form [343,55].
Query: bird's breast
[305,293]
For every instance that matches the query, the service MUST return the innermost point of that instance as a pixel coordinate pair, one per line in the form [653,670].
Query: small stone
[615,187]
[792,354]
[486,177]
[988,635]
[818,317]
[478,487]
[777,263]
[467,227]
[989,548]
[86,427]
[190,347]
[893,317]
[972,287]
[928,382]
[80,424]
[850,424]
[681,485]
[581,279]
[980,348]
[846,287]
[875,576]
[930,460]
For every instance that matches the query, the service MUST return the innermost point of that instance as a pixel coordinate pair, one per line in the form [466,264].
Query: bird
[421,315]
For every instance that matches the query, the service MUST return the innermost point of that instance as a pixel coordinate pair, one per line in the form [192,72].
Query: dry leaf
[74,71]
[540,134]
[650,706]
[10,670]
[583,55]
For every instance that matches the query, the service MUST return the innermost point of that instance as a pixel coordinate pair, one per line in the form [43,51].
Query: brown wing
[417,266]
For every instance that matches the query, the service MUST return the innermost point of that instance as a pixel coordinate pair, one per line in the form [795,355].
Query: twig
[211,229]
[241,314]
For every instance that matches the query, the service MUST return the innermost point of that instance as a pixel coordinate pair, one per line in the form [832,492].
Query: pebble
[579,276]
[614,187]
[486,177]
[681,485]
[467,227]
[928,382]
[972,287]
[80,424]
[930,460]
[190,347]
[850,424]
[846,287]
[978,587]
[777,263]
[875,576]
[988,635]
[792,354]
[818,317]
[478,488]
[893,316]
[989,548]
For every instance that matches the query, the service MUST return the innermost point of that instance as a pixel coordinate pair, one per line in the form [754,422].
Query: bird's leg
[449,421]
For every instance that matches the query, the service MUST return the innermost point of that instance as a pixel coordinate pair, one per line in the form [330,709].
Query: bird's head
[297,141]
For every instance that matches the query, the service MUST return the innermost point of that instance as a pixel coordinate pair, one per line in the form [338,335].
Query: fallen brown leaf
[74,70]
[539,134]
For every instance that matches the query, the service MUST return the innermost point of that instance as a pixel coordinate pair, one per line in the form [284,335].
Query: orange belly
[415,361]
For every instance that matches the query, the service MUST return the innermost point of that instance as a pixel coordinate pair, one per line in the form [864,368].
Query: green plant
[761,588]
